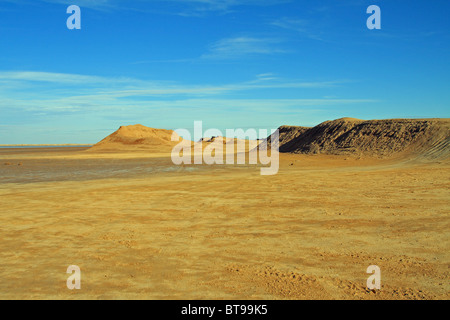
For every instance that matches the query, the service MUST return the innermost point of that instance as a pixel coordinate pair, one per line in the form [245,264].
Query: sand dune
[151,140]
[374,138]
[138,137]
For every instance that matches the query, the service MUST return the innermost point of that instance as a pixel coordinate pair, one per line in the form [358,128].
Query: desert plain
[140,227]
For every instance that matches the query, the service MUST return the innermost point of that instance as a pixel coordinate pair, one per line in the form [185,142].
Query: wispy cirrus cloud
[36,76]
[237,47]
[232,48]
[297,25]
[180,7]
[201,7]
[92,4]
[265,77]
[120,87]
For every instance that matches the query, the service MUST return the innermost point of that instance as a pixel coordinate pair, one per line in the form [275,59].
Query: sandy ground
[141,228]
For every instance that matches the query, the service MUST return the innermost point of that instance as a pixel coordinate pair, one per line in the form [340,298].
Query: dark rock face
[376,138]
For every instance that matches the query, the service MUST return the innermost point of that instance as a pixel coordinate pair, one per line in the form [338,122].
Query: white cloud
[184,7]
[202,6]
[119,87]
[297,25]
[93,4]
[236,47]
[293,24]
[231,107]
[34,76]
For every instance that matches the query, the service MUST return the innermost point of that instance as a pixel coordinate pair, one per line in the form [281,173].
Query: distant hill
[137,137]
[375,138]
[287,134]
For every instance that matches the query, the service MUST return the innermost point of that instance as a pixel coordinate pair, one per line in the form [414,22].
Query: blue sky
[229,63]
